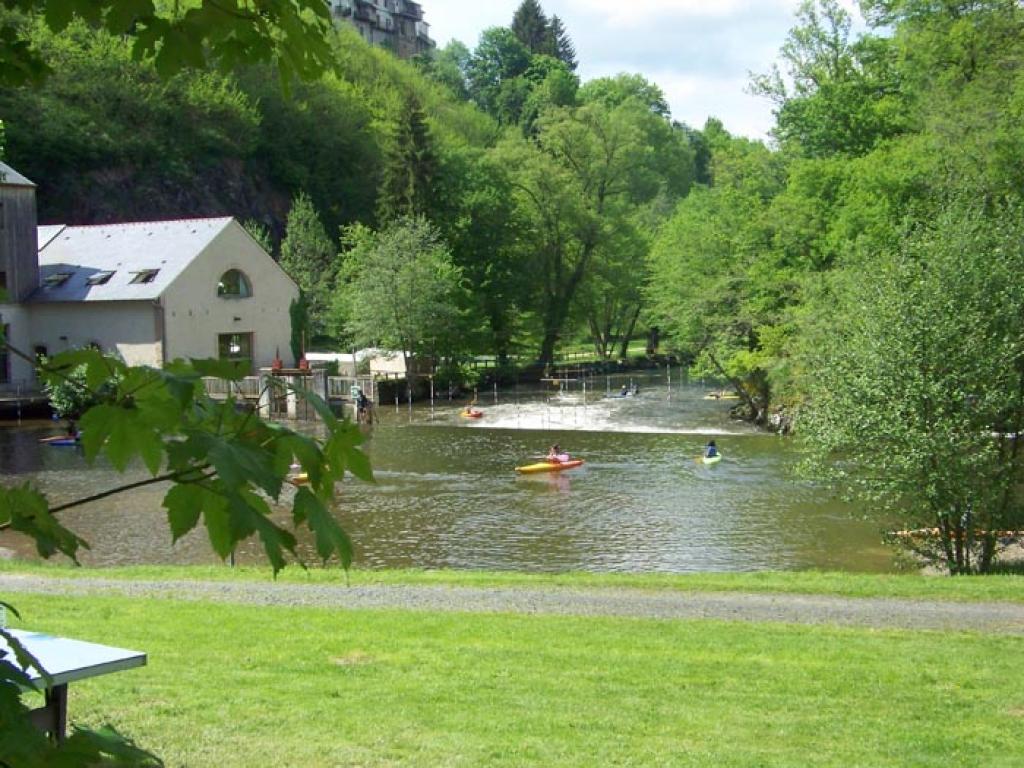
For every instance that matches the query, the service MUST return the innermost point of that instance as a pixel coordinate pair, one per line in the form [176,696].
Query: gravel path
[880,613]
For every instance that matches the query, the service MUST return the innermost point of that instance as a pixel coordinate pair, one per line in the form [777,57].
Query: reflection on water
[446,494]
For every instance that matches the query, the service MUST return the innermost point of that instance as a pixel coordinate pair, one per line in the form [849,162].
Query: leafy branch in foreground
[226,465]
[292,34]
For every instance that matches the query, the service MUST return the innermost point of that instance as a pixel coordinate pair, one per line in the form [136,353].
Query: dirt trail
[880,613]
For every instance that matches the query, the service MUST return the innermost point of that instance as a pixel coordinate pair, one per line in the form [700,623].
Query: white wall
[130,328]
[17,317]
[194,315]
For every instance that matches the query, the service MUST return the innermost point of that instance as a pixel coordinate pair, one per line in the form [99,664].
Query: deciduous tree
[917,392]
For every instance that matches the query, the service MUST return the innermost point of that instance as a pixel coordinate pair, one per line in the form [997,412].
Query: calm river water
[447,496]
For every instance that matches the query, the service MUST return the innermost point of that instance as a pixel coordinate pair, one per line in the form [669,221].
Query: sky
[700,52]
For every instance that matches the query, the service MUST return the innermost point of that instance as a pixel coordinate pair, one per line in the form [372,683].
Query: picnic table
[66,661]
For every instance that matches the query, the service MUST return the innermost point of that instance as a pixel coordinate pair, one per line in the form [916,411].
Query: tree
[291,34]
[476,202]
[917,392]
[398,288]
[560,43]
[577,187]
[530,26]
[260,232]
[309,257]
[498,58]
[447,66]
[718,287]
[844,97]
[410,165]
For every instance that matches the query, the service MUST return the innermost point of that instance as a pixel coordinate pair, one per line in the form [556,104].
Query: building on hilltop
[149,291]
[394,24]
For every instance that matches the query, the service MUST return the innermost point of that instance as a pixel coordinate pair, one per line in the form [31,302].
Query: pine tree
[560,44]
[410,165]
[309,256]
[530,25]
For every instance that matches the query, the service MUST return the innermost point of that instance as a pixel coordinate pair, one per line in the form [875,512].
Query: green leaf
[239,464]
[329,536]
[121,433]
[257,515]
[184,504]
[98,369]
[26,510]
[358,464]
[218,524]
[123,14]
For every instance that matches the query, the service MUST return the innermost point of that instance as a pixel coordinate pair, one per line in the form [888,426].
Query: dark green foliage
[530,26]
[560,44]
[410,165]
[298,314]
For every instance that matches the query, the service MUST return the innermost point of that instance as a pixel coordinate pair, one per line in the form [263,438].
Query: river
[446,495]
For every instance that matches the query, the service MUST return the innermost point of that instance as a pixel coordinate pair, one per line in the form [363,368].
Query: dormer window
[145,276]
[100,278]
[234,285]
[57,279]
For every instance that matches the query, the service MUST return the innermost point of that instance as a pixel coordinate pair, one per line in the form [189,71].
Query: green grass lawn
[1008,588]
[241,686]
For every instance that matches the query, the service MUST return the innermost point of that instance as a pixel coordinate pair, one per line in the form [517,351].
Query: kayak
[471,414]
[60,440]
[721,397]
[300,478]
[711,459]
[549,466]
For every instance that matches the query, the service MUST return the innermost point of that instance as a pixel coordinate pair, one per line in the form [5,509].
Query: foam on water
[652,413]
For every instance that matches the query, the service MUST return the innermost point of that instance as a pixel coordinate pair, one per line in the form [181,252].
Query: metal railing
[20,388]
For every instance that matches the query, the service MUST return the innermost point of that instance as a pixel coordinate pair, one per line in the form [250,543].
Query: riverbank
[425,684]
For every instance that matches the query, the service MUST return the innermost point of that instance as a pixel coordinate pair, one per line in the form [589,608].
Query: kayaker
[625,390]
[362,406]
[555,455]
[710,450]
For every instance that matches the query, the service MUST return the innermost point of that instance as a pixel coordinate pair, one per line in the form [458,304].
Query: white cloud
[641,13]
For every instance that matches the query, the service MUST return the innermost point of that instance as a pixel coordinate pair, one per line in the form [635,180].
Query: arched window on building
[234,285]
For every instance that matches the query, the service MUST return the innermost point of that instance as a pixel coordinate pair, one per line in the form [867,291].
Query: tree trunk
[739,389]
[628,335]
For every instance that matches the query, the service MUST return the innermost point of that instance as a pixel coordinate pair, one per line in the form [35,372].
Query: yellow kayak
[549,466]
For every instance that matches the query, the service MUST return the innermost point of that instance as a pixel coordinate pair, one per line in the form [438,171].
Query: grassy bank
[238,685]
[909,586]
